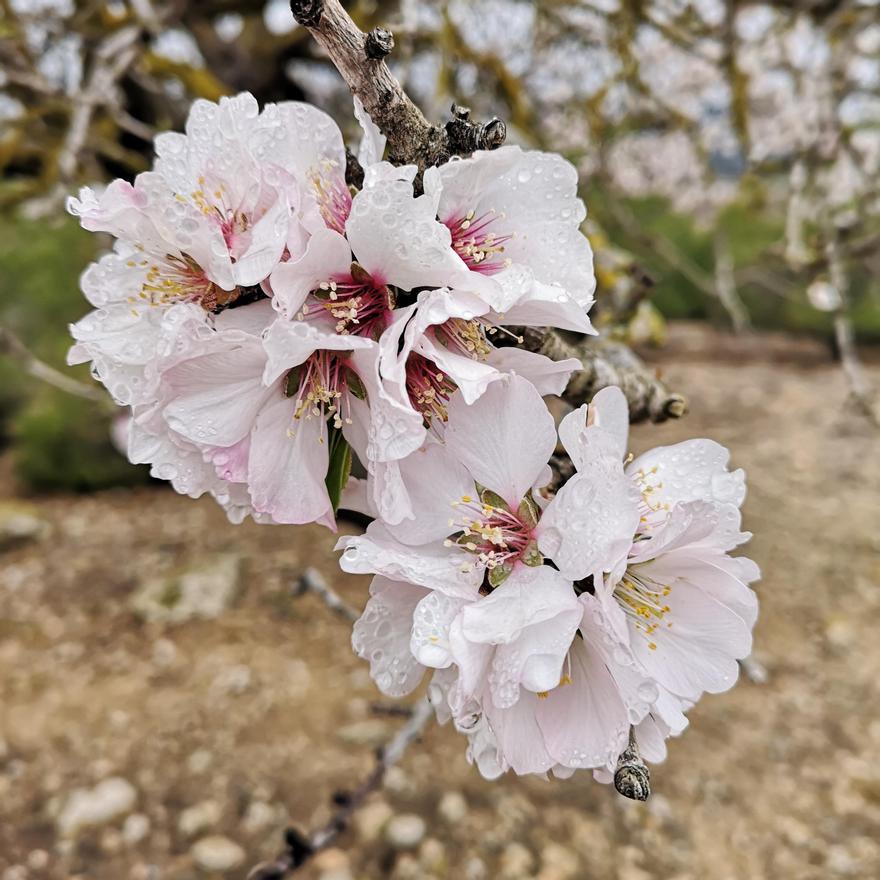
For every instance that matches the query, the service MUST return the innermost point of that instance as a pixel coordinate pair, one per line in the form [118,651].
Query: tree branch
[359,57]
[299,848]
[606,362]
[312,581]
[12,346]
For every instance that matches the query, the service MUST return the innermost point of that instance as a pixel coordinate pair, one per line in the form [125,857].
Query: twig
[607,363]
[299,848]
[844,336]
[312,581]
[13,347]
[360,59]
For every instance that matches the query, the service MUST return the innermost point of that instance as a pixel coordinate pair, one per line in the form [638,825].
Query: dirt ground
[232,727]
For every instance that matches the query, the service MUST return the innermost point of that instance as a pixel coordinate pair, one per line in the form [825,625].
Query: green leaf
[493,499]
[528,511]
[339,469]
[499,574]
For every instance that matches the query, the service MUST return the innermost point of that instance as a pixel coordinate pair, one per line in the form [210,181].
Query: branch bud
[632,778]
[307,12]
[379,43]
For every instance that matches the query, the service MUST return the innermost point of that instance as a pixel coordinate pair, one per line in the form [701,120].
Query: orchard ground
[217,731]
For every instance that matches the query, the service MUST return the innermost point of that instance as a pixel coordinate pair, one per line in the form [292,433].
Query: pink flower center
[319,388]
[332,194]
[180,279]
[360,304]
[491,532]
[213,202]
[428,387]
[479,241]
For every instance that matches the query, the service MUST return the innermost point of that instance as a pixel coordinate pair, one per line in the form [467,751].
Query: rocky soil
[166,706]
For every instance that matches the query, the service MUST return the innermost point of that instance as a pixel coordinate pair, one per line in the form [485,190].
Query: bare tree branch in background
[300,848]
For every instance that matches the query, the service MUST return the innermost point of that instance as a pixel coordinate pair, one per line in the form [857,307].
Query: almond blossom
[206,226]
[514,218]
[536,605]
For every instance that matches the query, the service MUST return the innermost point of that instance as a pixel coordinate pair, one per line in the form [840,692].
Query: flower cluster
[264,320]
[554,624]
[266,323]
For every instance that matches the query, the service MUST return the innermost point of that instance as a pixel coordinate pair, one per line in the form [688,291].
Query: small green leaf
[528,510]
[355,386]
[499,574]
[532,555]
[493,499]
[339,469]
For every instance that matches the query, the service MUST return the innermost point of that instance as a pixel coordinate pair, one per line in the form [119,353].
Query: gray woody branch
[359,57]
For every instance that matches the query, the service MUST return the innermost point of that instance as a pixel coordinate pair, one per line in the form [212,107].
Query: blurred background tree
[729,154]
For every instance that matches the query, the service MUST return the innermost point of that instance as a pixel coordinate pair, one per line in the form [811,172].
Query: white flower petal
[504,439]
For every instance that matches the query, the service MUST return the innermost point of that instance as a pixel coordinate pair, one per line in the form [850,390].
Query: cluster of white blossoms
[262,320]
[266,322]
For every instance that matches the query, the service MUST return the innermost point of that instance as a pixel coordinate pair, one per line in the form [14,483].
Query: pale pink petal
[695,470]
[430,629]
[214,399]
[288,464]
[548,376]
[372,144]
[585,723]
[397,239]
[434,481]
[430,565]
[382,636]
[326,256]
[519,736]
[589,526]
[504,439]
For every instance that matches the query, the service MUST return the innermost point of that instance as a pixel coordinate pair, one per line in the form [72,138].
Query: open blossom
[545,612]
[514,218]
[206,226]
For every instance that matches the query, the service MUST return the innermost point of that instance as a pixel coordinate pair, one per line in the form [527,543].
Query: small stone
[475,869]
[164,653]
[453,807]
[516,862]
[111,841]
[432,856]
[135,828]
[559,863]
[370,821]
[259,815]
[217,853]
[199,761]
[397,780]
[405,831]
[38,859]
[233,681]
[332,864]
[20,525]
[199,818]
[372,732]
[90,808]
[203,593]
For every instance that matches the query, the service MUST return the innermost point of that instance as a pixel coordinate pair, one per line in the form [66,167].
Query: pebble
[135,828]
[332,864]
[370,821]
[453,807]
[217,853]
[92,807]
[559,863]
[19,525]
[203,593]
[199,818]
[405,831]
[516,862]
[259,815]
